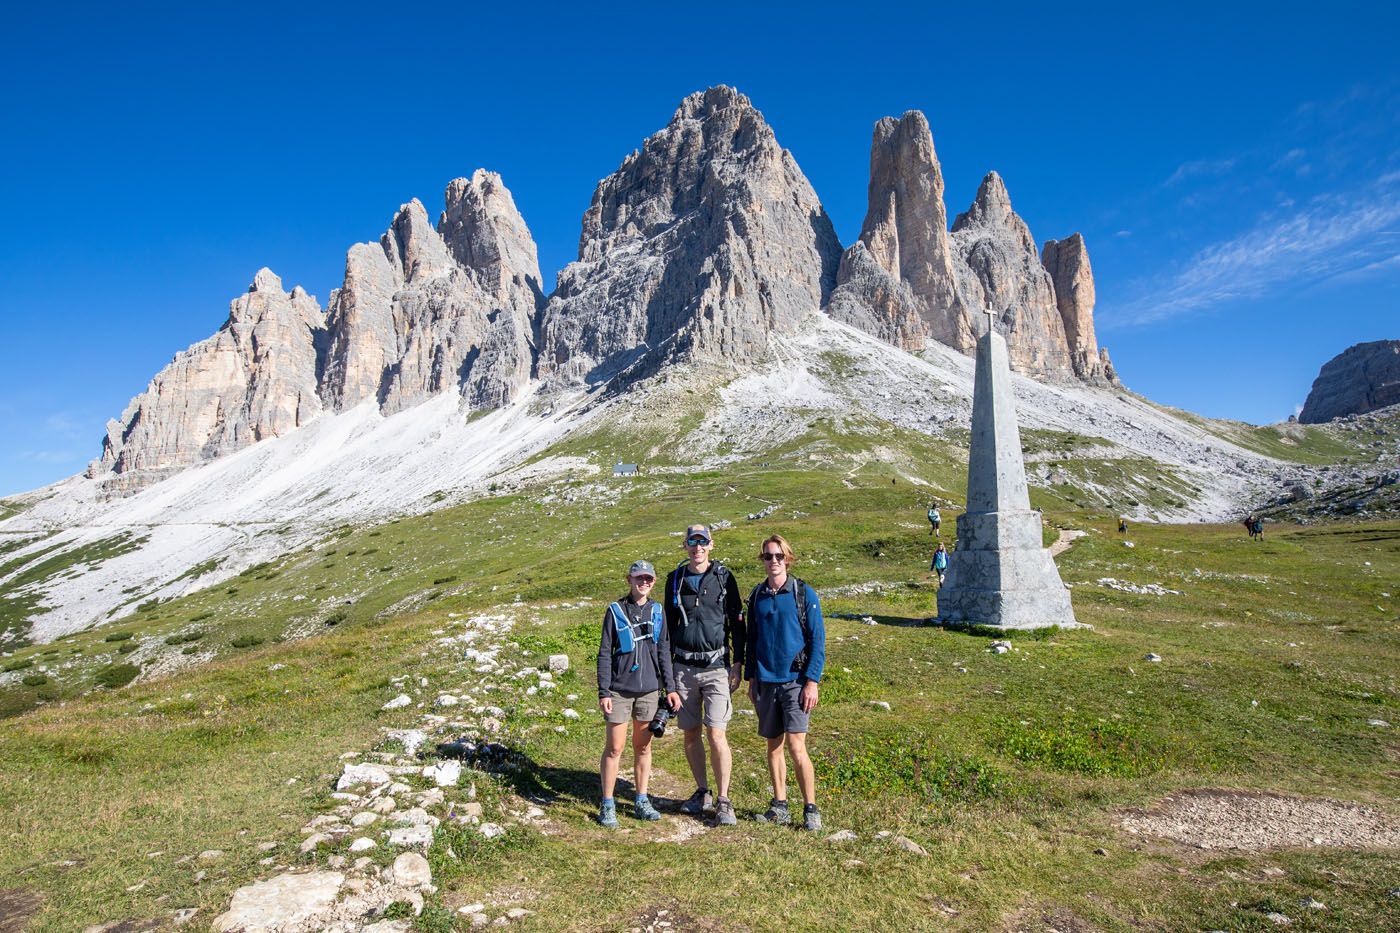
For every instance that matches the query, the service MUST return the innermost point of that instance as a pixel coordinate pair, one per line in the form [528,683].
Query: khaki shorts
[703,691]
[641,707]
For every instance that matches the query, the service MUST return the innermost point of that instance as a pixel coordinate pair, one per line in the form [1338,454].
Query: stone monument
[1000,574]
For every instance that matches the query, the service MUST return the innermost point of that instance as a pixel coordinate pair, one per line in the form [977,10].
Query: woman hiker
[940,562]
[634,666]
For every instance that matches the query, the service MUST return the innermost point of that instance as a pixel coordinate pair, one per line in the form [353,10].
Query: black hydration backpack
[721,573]
[799,594]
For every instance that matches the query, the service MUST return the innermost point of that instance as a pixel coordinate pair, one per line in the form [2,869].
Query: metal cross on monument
[991,319]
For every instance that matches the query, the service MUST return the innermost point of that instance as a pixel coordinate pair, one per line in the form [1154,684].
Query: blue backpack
[629,635]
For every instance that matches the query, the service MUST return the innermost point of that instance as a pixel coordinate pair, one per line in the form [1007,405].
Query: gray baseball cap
[699,530]
[640,567]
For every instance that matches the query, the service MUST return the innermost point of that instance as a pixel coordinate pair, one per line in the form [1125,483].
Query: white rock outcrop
[285,902]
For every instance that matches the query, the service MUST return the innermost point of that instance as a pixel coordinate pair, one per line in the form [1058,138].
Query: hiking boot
[643,810]
[724,813]
[607,814]
[698,802]
[776,813]
[811,818]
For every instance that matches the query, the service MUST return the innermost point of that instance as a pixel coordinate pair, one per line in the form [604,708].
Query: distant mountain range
[704,243]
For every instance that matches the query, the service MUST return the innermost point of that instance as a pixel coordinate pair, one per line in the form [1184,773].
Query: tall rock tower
[1000,574]
[705,242]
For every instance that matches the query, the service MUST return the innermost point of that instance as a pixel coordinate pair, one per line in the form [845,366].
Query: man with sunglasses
[786,654]
[705,616]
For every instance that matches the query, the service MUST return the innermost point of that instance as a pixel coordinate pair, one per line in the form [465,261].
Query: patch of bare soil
[1046,920]
[667,917]
[1228,819]
[17,906]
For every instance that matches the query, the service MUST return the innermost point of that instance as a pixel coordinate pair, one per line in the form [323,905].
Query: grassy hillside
[1011,771]
[1318,444]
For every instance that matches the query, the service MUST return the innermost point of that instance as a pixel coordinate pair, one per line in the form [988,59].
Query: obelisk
[1000,574]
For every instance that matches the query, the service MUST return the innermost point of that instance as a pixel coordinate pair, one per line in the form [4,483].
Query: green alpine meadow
[961,788]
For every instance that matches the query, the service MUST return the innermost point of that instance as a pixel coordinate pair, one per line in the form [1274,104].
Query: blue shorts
[779,708]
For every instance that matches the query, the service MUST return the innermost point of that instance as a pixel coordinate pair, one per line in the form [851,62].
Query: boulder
[284,902]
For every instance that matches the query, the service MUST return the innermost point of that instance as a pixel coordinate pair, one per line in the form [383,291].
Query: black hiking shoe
[777,813]
[698,802]
[811,818]
[724,812]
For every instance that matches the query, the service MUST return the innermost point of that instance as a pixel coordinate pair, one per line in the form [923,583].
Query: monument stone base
[1011,579]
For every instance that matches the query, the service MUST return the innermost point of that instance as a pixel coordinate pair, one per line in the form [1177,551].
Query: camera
[657,726]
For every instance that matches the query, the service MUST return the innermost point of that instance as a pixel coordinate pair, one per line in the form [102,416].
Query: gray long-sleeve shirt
[652,656]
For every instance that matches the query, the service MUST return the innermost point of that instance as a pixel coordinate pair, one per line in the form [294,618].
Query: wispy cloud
[1197,168]
[1329,237]
[50,456]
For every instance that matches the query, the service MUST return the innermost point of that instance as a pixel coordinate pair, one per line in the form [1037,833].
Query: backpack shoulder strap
[677,577]
[799,594]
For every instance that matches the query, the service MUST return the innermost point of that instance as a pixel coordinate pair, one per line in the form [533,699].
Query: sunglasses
[641,578]
[693,542]
[771,556]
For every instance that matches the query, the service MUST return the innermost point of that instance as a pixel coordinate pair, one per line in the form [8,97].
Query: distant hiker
[935,520]
[705,619]
[940,562]
[1122,526]
[1258,528]
[787,651]
[1249,526]
[634,663]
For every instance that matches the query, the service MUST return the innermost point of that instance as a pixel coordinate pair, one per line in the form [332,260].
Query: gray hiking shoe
[776,813]
[698,802]
[811,818]
[643,810]
[607,814]
[724,813]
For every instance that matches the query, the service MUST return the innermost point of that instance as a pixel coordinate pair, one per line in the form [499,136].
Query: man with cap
[634,669]
[705,616]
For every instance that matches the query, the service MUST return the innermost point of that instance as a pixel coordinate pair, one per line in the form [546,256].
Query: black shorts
[779,708]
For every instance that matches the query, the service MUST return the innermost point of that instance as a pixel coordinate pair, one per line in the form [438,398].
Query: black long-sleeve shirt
[652,656]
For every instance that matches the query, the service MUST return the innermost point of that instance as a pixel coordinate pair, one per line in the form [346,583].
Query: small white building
[624,469]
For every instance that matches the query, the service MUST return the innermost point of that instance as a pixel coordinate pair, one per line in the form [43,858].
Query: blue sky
[1235,168]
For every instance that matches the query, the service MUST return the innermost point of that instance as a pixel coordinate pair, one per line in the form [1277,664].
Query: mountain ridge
[705,242]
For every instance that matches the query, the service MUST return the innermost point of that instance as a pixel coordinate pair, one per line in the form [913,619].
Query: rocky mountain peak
[1001,270]
[992,209]
[705,240]
[703,104]
[267,281]
[898,281]
[254,379]
[1067,262]
[1362,378]
[484,232]
[412,244]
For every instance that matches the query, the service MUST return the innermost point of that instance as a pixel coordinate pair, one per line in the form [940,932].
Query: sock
[809,808]
[642,798]
[609,802]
